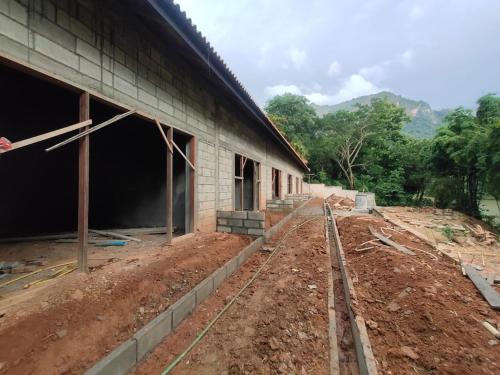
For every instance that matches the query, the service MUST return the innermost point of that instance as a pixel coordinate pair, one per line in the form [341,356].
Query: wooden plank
[184,156]
[114,235]
[169,190]
[91,130]
[83,187]
[164,136]
[242,201]
[192,185]
[47,237]
[390,242]
[45,136]
[490,295]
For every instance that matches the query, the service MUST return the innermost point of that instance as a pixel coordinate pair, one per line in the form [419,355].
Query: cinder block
[90,69]
[222,221]
[183,308]
[256,215]
[256,232]
[238,214]
[239,230]
[56,52]
[149,336]
[89,52]
[219,276]
[252,223]
[203,289]
[125,87]
[235,222]
[13,30]
[118,362]
[231,266]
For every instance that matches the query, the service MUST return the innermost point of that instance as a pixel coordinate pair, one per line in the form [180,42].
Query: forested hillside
[424,121]
[364,147]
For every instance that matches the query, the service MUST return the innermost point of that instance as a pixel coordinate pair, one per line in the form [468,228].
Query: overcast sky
[446,52]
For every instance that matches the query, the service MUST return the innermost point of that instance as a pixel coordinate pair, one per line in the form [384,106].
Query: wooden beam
[192,181]
[242,201]
[43,137]
[170,183]
[184,156]
[390,242]
[91,130]
[164,136]
[83,186]
[114,235]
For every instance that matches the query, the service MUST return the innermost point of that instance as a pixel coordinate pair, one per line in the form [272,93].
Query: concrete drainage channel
[365,359]
[126,356]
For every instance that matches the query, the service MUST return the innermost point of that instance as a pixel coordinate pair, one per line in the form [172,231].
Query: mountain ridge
[424,120]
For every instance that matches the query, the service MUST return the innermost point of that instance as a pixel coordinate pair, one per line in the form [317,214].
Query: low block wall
[121,360]
[242,222]
[279,204]
[297,197]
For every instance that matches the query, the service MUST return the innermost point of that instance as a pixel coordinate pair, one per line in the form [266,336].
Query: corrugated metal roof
[183,25]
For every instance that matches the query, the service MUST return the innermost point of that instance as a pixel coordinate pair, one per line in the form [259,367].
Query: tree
[295,117]
[359,137]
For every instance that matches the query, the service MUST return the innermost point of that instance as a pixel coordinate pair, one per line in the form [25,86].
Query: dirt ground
[274,217]
[67,325]
[481,251]
[423,316]
[340,205]
[278,325]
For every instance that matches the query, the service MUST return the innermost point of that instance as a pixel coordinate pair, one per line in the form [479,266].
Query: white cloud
[319,98]
[416,12]
[374,73]
[354,86]
[407,57]
[334,69]
[298,57]
[378,72]
[272,91]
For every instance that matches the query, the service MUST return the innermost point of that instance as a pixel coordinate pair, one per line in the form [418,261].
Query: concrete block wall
[242,222]
[279,205]
[105,49]
[121,360]
[297,197]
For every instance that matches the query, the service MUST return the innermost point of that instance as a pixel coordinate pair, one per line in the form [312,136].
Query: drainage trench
[347,361]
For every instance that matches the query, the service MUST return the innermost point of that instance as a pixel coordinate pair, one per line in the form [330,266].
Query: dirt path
[279,324]
[423,316]
[74,323]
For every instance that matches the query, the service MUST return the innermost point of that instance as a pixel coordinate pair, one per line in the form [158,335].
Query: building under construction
[121,115]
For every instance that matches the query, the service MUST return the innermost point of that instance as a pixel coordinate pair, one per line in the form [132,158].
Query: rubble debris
[390,242]
[492,329]
[490,295]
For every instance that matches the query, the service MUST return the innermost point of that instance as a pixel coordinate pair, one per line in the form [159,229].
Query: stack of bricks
[297,197]
[279,205]
[243,222]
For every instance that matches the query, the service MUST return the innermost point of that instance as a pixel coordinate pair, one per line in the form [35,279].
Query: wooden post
[192,186]
[170,172]
[242,166]
[83,186]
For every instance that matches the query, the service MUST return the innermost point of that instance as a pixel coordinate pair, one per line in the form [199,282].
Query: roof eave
[222,72]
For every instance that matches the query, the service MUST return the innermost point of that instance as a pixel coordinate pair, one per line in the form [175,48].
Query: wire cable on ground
[179,358]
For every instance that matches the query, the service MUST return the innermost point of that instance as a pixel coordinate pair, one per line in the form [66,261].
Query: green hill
[424,120]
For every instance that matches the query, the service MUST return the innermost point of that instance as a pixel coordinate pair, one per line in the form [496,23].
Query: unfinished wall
[38,189]
[241,222]
[104,47]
